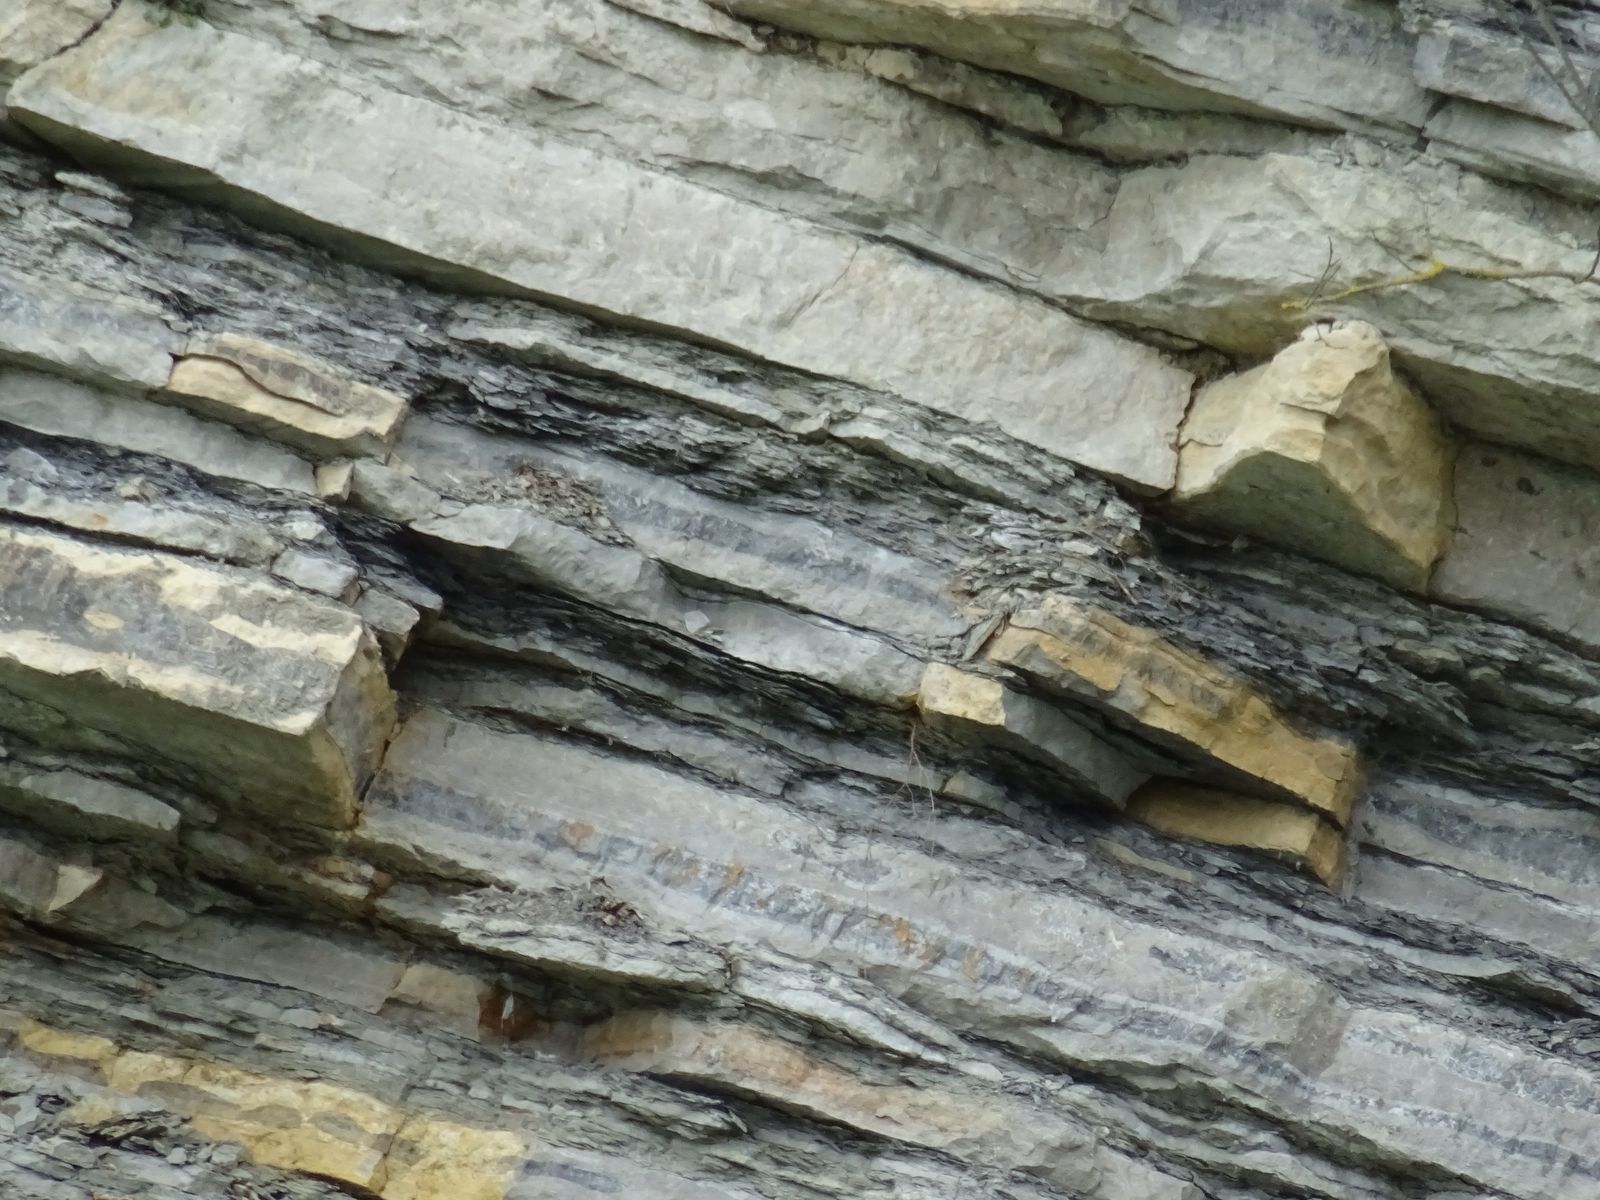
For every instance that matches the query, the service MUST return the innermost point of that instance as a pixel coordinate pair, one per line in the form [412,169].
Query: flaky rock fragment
[254,691]
[1229,819]
[1178,701]
[289,396]
[985,708]
[1323,451]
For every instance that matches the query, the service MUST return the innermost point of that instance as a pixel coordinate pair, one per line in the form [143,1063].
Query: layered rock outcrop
[857,598]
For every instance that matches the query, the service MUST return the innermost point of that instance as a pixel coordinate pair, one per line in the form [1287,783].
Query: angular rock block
[253,692]
[1228,819]
[978,706]
[1527,542]
[1322,451]
[1179,702]
[285,395]
[408,182]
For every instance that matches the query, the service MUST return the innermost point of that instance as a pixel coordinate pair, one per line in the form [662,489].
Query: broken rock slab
[252,691]
[1527,542]
[1177,701]
[1248,822]
[286,395]
[1322,451]
[408,182]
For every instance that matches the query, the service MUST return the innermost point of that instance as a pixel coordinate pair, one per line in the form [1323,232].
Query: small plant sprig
[1581,95]
[187,11]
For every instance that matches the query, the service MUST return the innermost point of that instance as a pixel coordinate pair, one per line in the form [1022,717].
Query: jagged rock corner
[793,599]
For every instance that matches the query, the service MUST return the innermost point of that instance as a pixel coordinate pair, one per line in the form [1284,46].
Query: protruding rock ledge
[1322,451]
[255,692]
[407,181]
[1248,822]
[1179,702]
[289,396]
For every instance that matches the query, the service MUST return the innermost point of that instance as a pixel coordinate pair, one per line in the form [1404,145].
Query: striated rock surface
[858,600]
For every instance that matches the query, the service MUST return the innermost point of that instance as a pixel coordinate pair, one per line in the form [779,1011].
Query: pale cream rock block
[252,690]
[1248,822]
[285,395]
[1322,451]
[1179,701]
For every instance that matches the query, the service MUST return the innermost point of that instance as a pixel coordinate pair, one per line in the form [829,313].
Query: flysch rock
[1218,230]
[286,394]
[97,336]
[996,1128]
[63,408]
[37,885]
[254,690]
[622,579]
[1527,542]
[1342,62]
[967,704]
[954,344]
[83,805]
[1228,819]
[30,488]
[1259,1032]
[800,563]
[32,30]
[553,933]
[1323,451]
[1177,701]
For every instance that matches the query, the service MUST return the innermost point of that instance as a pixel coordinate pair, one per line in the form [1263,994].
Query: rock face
[1325,451]
[858,599]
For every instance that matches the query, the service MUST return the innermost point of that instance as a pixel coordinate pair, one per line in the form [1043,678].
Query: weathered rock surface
[1324,451]
[656,652]
[1527,542]
[1227,819]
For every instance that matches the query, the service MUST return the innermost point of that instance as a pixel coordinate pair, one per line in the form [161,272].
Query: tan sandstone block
[1189,705]
[1324,451]
[1228,819]
[289,396]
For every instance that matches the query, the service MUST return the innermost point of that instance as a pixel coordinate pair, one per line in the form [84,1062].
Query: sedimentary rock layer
[600,597]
